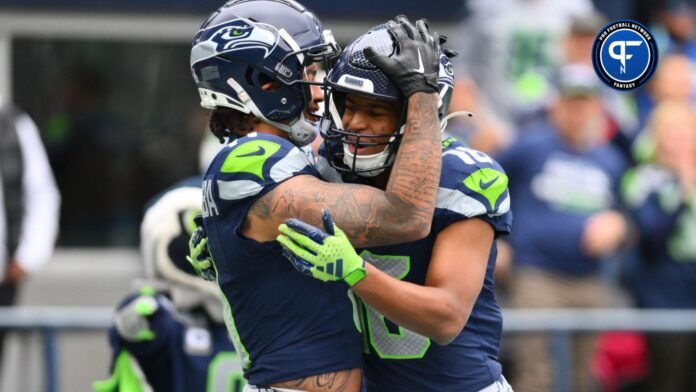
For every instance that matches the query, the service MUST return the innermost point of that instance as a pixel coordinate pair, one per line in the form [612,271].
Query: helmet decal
[241,34]
[235,35]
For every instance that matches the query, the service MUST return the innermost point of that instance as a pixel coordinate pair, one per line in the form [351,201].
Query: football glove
[326,254]
[199,254]
[415,66]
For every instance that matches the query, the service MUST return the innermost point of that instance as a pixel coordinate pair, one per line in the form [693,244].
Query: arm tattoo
[369,216]
[415,176]
[329,382]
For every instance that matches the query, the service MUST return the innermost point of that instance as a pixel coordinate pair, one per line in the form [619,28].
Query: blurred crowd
[602,183]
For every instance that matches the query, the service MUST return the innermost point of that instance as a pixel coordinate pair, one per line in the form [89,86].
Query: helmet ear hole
[266,83]
[248,76]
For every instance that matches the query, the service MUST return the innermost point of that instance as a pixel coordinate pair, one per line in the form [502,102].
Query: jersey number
[225,373]
[389,340]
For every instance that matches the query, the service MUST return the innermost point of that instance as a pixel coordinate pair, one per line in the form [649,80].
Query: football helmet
[354,73]
[164,236]
[247,43]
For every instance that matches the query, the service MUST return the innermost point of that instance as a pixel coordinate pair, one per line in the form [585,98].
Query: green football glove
[199,255]
[326,254]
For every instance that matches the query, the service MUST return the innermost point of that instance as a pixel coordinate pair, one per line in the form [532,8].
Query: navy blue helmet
[248,43]
[354,73]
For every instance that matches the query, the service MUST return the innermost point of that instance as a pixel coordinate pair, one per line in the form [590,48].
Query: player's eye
[311,74]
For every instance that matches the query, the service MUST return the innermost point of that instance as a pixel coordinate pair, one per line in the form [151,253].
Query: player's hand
[199,254]
[326,254]
[415,67]
[604,233]
[15,273]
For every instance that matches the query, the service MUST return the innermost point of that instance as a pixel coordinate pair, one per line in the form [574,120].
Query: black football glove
[414,68]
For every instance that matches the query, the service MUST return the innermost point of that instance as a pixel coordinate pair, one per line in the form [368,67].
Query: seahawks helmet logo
[231,33]
[238,34]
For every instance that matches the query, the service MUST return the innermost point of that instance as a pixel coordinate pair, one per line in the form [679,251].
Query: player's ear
[270,86]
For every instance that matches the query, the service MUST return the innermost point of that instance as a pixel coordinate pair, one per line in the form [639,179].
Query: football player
[253,62]
[170,334]
[430,318]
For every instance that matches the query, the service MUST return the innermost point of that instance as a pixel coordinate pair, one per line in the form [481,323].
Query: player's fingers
[423,30]
[301,239]
[294,248]
[435,43]
[407,26]
[327,220]
[398,31]
[310,231]
[450,53]
[203,243]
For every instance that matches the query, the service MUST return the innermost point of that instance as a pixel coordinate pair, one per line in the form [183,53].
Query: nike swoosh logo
[260,151]
[486,185]
[420,68]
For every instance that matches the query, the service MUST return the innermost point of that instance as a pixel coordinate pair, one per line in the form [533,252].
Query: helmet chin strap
[302,132]
[364,163]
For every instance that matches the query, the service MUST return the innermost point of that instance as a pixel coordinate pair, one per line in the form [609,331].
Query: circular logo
[624,54]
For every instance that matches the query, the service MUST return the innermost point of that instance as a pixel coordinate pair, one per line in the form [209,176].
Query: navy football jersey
[397,359]
[284,325]
[171,351]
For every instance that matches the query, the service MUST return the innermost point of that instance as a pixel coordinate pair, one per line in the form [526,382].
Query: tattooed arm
[369,216]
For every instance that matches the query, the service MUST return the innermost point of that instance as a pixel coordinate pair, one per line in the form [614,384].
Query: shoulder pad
[253,162]
[472,183]
[131,320]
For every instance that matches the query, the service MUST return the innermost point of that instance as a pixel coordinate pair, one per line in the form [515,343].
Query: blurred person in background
[577,44]
[673,80]
[29,203]
[169,335]
[511,48]
[483,132]
[618,106]
[661,196]
[564,179]
[676,32]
